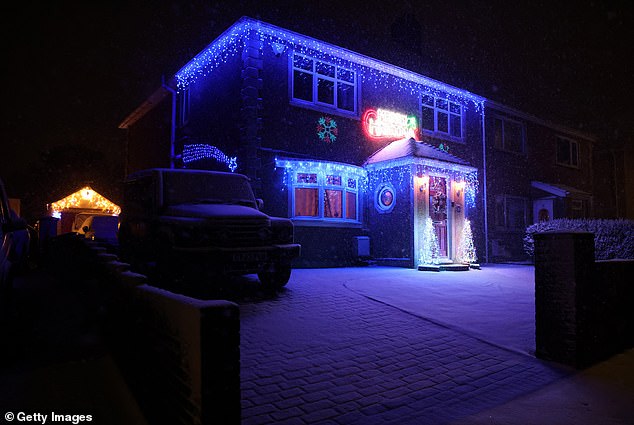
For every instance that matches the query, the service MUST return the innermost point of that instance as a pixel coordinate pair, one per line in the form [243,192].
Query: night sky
[74,70]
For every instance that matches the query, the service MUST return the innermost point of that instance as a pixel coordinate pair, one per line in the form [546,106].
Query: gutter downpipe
[616,188]
[484,191]
[173,123]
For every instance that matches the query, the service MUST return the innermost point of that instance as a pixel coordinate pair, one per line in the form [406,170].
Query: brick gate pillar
[564,264]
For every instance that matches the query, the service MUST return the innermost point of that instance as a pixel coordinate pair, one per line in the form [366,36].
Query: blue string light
[373,71]
[199,151]
[402,169]
[322,168]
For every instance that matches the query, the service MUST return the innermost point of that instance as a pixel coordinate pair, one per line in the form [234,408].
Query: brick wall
[180,356]
[584,309]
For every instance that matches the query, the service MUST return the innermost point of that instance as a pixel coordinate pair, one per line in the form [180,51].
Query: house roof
[216,52]
[560,190]
[405,148]
[154,99]
[86,198]
[532,118]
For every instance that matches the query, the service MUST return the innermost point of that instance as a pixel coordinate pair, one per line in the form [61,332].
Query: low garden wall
[584,309]
[180,356]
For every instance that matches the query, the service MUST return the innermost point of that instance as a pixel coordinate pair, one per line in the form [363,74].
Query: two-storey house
[356,150]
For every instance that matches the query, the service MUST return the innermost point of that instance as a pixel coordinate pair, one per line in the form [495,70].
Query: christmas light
[322,168]
[466,252]
[327,129]
[429,252]
[199,151]
[371,71]
[85,198]
[402,169]
[381,124]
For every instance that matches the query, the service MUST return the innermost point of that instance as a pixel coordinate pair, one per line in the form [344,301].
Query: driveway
[360,346]
[495,304]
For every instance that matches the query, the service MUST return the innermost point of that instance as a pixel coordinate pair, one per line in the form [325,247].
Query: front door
[542,210]
[438,210]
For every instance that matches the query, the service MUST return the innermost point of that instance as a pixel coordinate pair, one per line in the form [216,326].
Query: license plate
[249,257]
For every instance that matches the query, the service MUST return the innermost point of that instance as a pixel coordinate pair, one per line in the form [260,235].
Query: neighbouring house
[74,210]
[535,170]
[367,158]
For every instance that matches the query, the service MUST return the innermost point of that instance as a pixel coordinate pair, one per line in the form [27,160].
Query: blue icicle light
[373,71]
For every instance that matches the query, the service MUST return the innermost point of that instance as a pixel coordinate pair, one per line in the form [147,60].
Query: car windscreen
[212,188]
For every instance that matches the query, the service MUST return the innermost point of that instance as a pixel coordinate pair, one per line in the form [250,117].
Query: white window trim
[435,132]
[321,187]
[570,143]
[503,147]
[294,167]
[315,103]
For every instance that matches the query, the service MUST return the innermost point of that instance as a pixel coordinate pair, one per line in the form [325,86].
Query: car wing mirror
[260,203]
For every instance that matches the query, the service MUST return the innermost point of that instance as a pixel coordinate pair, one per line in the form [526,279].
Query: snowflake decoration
[327,129]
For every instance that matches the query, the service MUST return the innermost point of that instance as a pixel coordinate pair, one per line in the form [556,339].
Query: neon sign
[381,124]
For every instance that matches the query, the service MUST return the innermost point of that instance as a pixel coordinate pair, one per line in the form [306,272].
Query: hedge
[612,238]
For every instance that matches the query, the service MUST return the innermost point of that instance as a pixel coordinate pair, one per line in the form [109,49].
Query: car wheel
[276,277]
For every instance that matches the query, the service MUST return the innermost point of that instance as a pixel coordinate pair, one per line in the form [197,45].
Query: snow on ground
[495,304]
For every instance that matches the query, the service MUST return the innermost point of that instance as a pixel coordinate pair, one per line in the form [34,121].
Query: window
[306,195]
[385,198]
[325,197]
[323,84]
[510,212]
[579,208]
[323,191]
[441,116]
[508,135]
[567,152]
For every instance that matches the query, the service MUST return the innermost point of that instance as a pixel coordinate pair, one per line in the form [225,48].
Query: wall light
[459,188]
[424,181]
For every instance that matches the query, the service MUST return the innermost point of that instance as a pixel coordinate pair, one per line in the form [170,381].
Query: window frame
[436,110]
[322,186]
[315,103]
[504,147]
[505,225]
[571,143]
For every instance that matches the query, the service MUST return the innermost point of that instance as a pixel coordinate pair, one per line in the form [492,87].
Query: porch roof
[561,190]
[405,148]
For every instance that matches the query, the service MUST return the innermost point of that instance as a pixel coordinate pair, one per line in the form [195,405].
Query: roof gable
[86,198]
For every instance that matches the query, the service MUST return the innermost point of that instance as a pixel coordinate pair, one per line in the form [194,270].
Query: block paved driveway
[320,353]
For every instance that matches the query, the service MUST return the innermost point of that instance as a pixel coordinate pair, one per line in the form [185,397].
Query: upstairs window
[567,152]
[319,83]
[508,135]
[441,116]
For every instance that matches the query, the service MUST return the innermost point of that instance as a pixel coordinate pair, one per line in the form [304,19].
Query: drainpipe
[616,188]
[173,123]
[484,191]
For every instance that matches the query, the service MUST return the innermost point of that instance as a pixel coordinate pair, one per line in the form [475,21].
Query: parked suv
[205,221]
